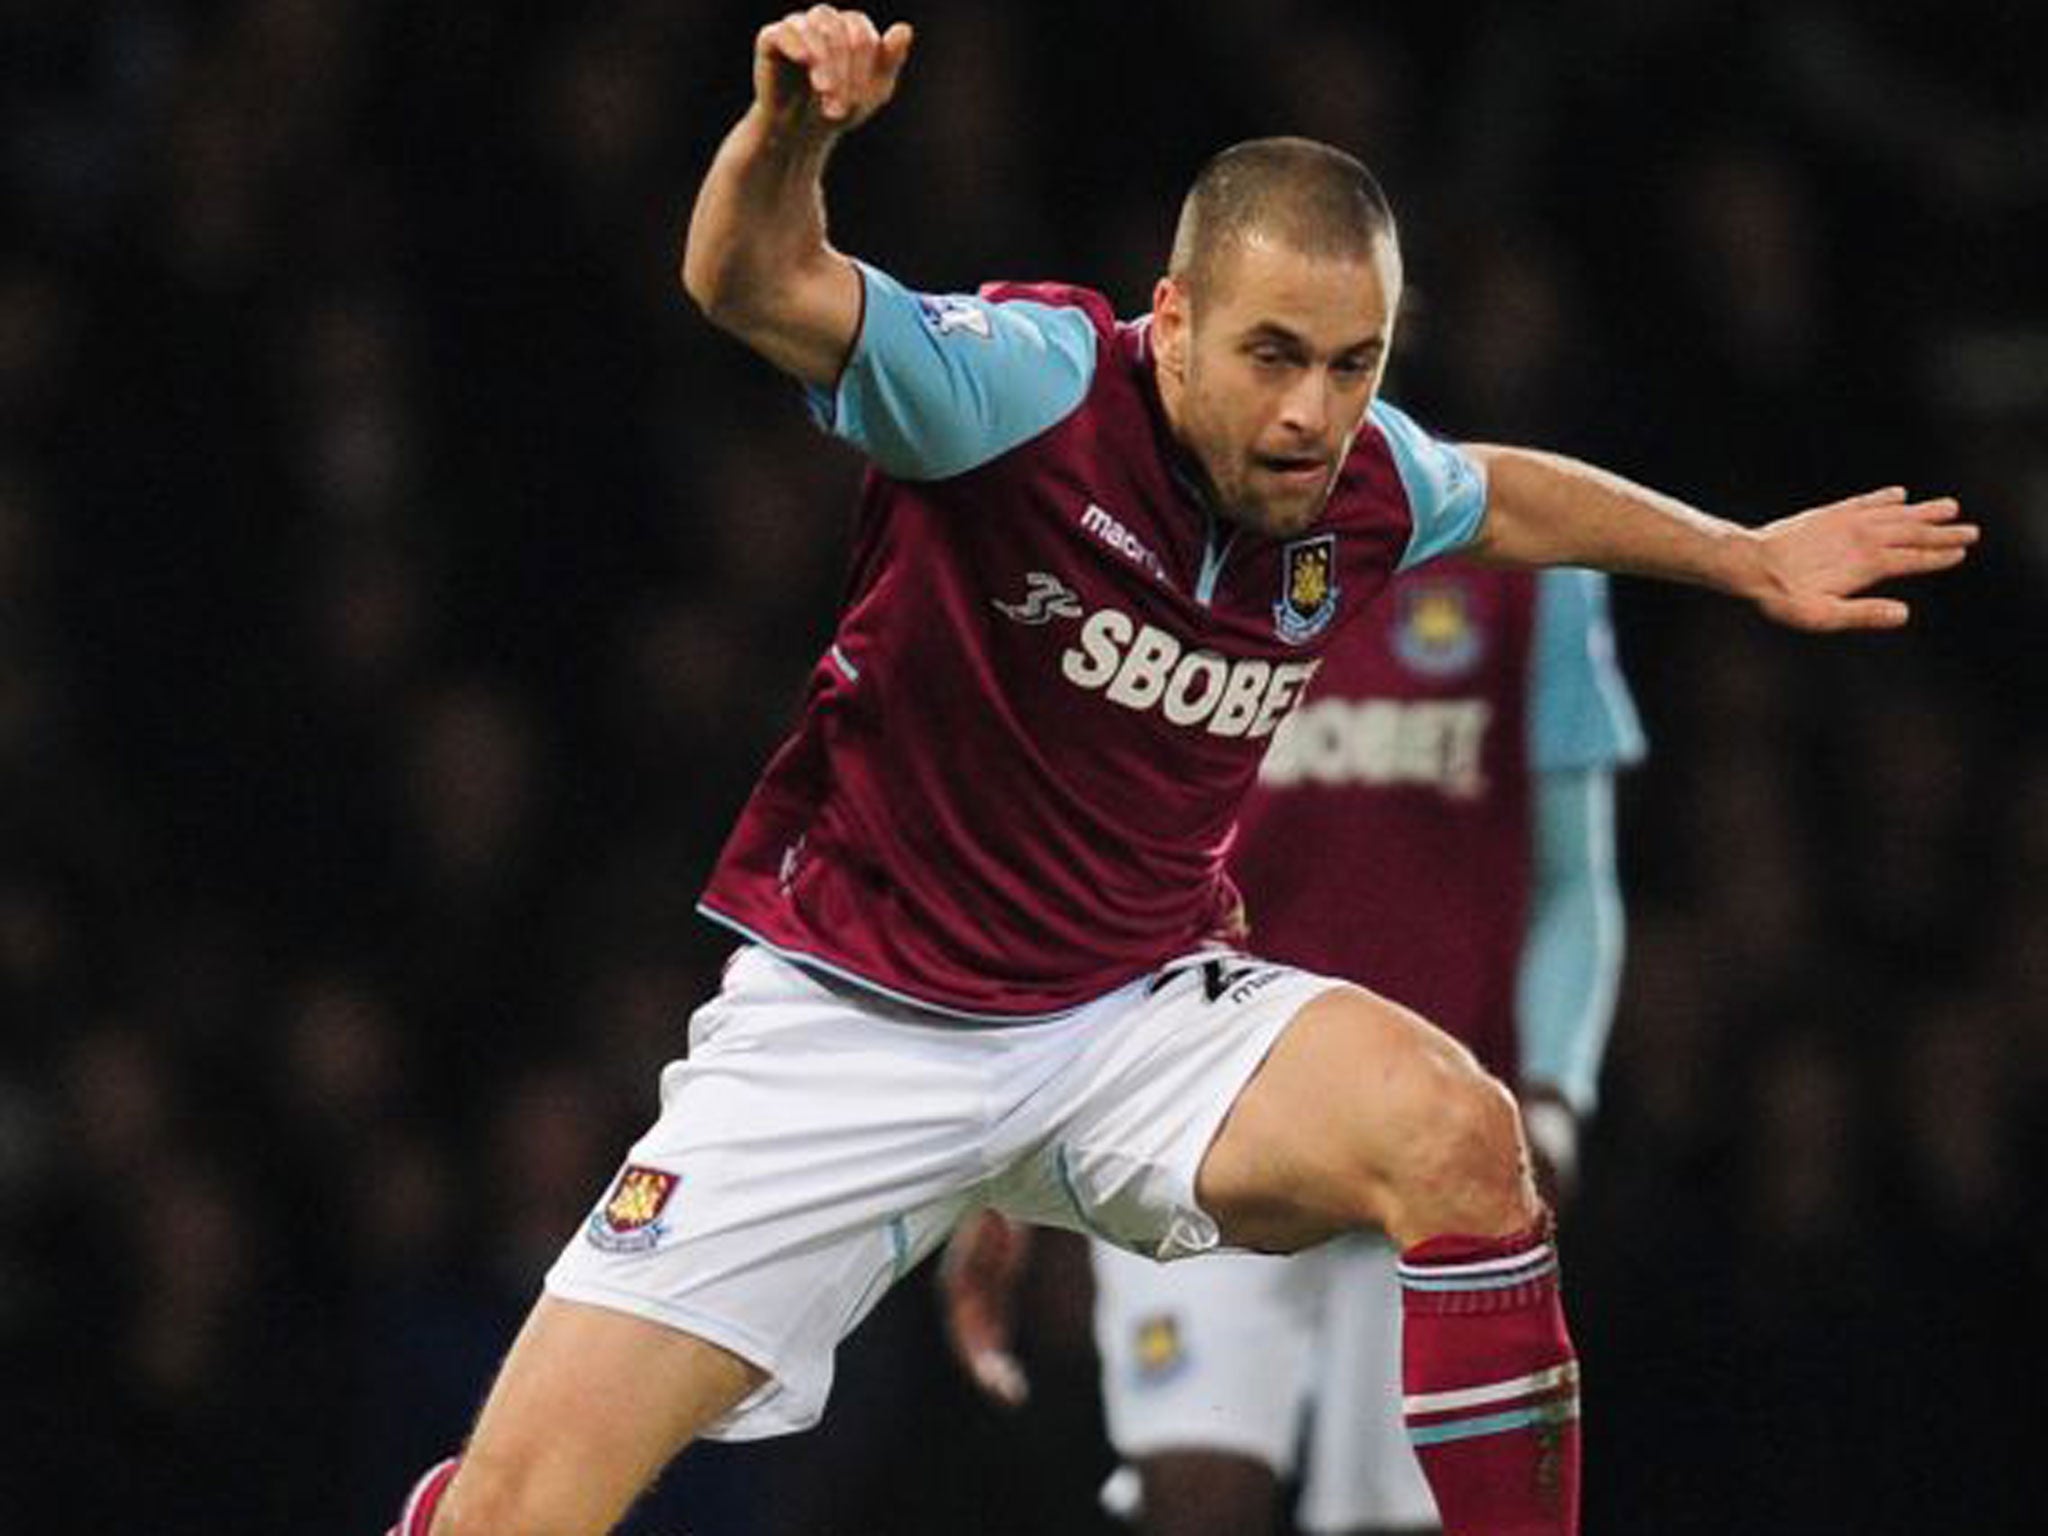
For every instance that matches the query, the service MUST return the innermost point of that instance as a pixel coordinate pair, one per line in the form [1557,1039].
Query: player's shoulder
[1388,435]
[1389,422]
[1387,453]
[1096,308]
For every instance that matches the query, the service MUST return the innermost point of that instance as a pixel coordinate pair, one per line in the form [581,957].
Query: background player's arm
[756,258]
[1805,570]
[1570,967]
[1582,727]
[978,1279]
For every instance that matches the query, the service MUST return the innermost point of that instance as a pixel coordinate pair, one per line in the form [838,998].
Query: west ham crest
[1437,634]
[630,1219]
[1308,588]
[1157,1349]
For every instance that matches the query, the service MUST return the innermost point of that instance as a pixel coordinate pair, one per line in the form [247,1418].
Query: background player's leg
[1207,1493]
[590,1405]
[1206,1369]
[1363,1114]
[1360,1476]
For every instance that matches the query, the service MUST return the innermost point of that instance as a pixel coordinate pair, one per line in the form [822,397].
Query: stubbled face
[1266,374]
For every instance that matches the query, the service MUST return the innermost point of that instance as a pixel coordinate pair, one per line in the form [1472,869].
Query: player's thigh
[1343,1122]
[1113,1144]
[588,1407]
[810,1149]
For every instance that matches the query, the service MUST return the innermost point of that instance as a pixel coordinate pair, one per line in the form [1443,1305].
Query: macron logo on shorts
[630,1219]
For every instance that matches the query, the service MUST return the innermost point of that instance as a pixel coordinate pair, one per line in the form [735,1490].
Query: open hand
[1816,562]
[827,69]
[1551,1129]
[978,1283]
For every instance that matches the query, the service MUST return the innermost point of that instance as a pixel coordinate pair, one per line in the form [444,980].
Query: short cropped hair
[1306,195]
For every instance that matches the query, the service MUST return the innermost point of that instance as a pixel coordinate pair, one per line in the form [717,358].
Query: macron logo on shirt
[1119,538]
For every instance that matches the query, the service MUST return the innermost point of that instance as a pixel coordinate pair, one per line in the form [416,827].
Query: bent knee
[1367,1115]
[1465,1168]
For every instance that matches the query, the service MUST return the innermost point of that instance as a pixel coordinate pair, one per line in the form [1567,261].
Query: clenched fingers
[843,69]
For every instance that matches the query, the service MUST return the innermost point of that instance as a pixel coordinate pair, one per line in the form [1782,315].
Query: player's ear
[1170,324]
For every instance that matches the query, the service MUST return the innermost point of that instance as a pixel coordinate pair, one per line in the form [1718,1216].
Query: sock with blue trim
[1490,1384]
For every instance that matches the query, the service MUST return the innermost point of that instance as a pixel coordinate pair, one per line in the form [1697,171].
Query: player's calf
[1364,1113]
[1490,1383]
[1490,1380]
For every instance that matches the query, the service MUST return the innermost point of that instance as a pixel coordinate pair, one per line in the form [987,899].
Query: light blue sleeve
[1571,955]
[938,384]
[1581,714]
[1446,486]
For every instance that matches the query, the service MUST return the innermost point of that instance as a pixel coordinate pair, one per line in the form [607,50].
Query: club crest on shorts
[1157,1351]
[1308,588]
[1436,632]
[630,1221]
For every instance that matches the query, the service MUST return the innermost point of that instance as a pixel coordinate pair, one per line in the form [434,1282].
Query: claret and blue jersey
[1448,755]
[1019,763]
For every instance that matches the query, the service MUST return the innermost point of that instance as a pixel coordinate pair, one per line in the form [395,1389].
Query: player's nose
[1305,408]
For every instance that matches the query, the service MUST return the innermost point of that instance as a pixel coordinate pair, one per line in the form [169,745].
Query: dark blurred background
[400,585]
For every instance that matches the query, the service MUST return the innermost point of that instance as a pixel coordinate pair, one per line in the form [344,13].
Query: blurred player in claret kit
[981,885]
[1436,821]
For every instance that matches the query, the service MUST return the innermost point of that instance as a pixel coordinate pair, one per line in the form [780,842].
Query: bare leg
[588,1408]
[1207,1493]
[1365,1114]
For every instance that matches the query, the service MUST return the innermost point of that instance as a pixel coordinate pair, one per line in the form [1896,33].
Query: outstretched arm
[1805,571]
[756,258]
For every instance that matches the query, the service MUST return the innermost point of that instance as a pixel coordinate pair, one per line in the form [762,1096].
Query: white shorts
[818,1140]
[1292,1361]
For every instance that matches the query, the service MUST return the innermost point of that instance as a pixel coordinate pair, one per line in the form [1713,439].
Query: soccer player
[981,885]
[1459,744]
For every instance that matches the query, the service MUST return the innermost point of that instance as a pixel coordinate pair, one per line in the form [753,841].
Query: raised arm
[756,258]
[1805,570]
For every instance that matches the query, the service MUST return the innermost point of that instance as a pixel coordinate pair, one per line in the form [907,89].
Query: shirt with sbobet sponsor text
[1014,781]
[1393,836]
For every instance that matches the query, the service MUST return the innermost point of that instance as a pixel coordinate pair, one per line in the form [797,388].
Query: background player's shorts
[818,1140]
[1295,1362]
